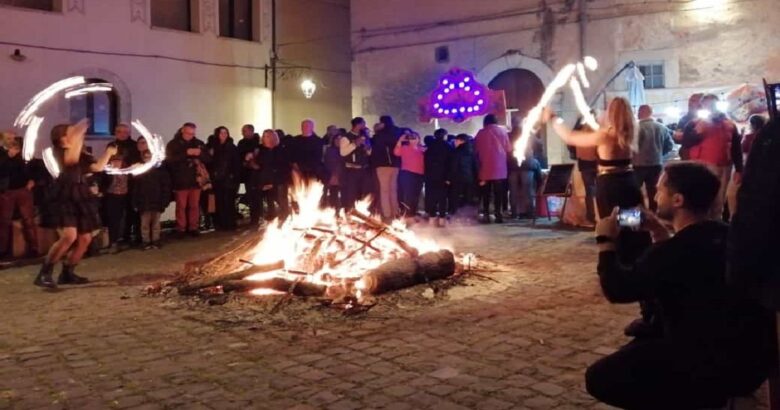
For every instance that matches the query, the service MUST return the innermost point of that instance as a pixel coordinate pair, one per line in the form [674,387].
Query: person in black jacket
[225,172]
[355,150]
[127,149]
[150,197]
[247,146]
[16,193]
[186,157]
[386,165]
[438,155]
[305,152]
[463,174]
[270,177]
[715,343]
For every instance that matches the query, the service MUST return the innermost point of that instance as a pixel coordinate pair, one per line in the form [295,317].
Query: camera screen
[630,218]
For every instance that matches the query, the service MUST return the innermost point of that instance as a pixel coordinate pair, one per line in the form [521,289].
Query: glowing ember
[265,292]
[323,247]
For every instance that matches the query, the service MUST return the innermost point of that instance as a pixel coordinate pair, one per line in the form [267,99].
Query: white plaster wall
[160,92]
[706,45]
[314,34]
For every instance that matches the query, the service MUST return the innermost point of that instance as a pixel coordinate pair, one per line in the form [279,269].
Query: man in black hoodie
[715,343]
[386,164]
[463,174]
[186,157]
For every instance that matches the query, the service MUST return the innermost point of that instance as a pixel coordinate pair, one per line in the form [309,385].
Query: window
[654,75]
[47,5]
[442,54]
[173,14]
[235,19]
[99,107]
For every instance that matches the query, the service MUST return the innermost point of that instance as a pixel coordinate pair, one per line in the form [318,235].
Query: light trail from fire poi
[29,119]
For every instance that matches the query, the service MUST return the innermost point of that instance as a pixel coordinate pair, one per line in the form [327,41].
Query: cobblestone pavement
[522,342]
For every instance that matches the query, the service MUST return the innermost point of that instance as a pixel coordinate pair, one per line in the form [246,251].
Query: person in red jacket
[718,144]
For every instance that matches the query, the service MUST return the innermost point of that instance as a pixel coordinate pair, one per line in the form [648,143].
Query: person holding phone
[72,204]
[715,343]
[412,175]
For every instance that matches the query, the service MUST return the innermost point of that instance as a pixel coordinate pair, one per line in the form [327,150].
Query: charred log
[407,272]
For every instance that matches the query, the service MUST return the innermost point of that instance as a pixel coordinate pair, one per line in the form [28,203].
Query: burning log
[407,272]
[386,231]
[193,287]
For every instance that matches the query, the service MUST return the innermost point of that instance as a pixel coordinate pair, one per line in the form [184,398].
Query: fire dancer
[616,185]
[355,148]
[72,202]
[715,344]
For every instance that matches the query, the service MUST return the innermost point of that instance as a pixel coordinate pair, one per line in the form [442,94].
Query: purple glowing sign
[458,96]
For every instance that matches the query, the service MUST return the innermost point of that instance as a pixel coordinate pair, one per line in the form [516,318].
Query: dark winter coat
[128,150]
[246,146]
[151,191]
[271,165]
[438,156]
[225,166]
[382,145]
[307,153]
[183,167]
[463,166]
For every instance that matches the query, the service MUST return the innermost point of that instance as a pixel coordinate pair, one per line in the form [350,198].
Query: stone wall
[709,45]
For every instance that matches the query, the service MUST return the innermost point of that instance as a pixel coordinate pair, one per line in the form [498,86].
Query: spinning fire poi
[71,203]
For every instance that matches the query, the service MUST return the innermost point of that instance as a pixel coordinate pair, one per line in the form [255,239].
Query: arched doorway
[522,89]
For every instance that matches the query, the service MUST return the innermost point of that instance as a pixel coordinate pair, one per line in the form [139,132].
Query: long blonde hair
[622,122]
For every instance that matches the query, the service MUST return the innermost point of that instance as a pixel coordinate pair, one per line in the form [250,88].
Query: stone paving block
[399,390]
[548,389]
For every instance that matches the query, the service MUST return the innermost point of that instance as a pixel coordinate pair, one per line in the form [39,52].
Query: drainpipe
[274,59]
[583,14]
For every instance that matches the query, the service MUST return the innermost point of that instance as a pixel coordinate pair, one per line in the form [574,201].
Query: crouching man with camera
[714,344]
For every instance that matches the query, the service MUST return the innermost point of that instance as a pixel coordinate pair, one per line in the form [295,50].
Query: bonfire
[337,255]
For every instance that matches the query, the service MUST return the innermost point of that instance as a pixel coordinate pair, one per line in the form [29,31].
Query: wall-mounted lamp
[308,87]
[18,56]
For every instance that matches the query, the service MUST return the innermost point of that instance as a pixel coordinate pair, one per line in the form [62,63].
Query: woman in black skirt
[72,204]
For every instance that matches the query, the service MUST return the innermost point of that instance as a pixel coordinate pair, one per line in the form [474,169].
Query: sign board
[557,181]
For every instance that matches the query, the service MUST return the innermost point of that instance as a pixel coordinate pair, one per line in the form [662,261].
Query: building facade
[401,47]
[169,61]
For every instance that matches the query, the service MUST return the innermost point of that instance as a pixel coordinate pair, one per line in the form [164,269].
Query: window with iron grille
[172,14]
[46,5]
[654,75]
[235,19]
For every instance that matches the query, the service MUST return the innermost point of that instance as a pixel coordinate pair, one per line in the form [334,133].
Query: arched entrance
[522,89]
[526,67]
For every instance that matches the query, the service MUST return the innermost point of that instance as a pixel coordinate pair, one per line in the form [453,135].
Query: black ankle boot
[68,277]
[44,278]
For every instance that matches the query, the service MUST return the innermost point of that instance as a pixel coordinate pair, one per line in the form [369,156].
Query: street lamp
[308,87]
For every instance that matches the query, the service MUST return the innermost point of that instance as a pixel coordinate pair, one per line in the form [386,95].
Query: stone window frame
[195,16]
[57,7]
[653,80]
[258,15]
